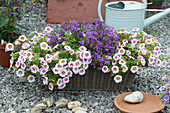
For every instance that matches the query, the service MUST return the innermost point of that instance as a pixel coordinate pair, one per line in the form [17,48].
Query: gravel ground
[20,96]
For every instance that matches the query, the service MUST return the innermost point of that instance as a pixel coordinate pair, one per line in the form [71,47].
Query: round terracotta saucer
[150,104]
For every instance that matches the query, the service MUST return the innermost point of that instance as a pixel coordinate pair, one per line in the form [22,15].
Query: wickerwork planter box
[80,10]
[97,80]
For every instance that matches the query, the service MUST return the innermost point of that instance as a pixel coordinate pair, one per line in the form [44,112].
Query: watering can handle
[99,10]
[100,4]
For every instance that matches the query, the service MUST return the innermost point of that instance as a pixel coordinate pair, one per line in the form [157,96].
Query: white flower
[2,42]
[48,29]
[77,63]
[42,61]
[75,70]
[63,85]
[66,80]
[71,52]
[17,64]
[59,66]
[139,70]
[29,54]
[116,57]
[105,69]
[56,46]
[158,62]
[20,72]
[28,67]
[59,82]
[34,69]
[122,62]
[70,73]
[9,47]
[115,69]
[121,51]
[31,78]
[78,53]
[45,81]
[17,42]
[63,73]
[151,60]
[125,68]
[63,61]
[71,64]
[128,52]
[85,65]
[87,55]
[135,29]
[81,71]
[125,41]
[68,48]
[134,41]
[44,46]
[89,60]
[22,38]
[142,46]
[48,57]
[45,66]
[23,66]
[82,48]
[140,57]
[56,71]
[25,45]
[43,71]
[118,78]
[164,63]
[143,62]
[134,69]
[156,54]
[50,86]
[148,41]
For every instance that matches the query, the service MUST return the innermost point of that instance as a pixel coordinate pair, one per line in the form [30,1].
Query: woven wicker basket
[97,80]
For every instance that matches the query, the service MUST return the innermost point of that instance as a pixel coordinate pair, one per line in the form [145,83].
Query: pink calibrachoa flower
[122,62]
[68,48]
[29,54]
[116,57]
[140,57]
[151,60]
[115,69]
[2,42]
[71,64]
[164,63]
[23,66]
[31,78]
[141,46]
[71,52]
[134,41]
[22,38]
[63,73]
[9,47]
[20,73]
[77,63]
[125,41]
[63,61]
[89,60]
[118,78]
[50,86]
[46,66]
[85,65]
[82,48]
[128,52]
[44,46]
[45,81]
[66,80]
[34,69]
[48,29]
[28,67]
[156,54]
[25,45]
[148,41]
[143,62]
[156,49]
[17,64]
[158,62]
[48,57]
[43,71]
[135,29]
[105,69]
[17,42]
[70,73]
[59,66]
[81,71]
[87,55]
[75,70]
[56,71]
[139,70]
[63,85]
[59,81]
[134,69]
[121,51]
[124,68]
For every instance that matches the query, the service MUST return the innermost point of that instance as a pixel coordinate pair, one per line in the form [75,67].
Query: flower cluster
[164,91]
[134,50]
[34,54]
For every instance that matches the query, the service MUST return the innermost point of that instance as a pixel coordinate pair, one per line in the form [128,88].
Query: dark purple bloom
[18,17]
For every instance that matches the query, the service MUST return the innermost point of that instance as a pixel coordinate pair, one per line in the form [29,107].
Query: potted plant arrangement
[155,4]
[10,14]
[105,59]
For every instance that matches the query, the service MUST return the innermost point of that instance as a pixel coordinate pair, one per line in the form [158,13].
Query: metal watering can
[129,14]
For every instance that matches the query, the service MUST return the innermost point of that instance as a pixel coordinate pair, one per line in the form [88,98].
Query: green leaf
[4,22]
[19,25]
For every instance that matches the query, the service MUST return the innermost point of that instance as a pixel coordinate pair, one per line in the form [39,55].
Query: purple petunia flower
[166,98]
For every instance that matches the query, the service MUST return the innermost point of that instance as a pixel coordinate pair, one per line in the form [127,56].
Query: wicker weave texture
[97,80]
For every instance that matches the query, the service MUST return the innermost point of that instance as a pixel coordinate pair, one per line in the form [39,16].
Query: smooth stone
[36,110]
[41,106]
[13,112]
[62,103]
[74,104]
[79,108]
[135,97]
[80,111]
[48,101]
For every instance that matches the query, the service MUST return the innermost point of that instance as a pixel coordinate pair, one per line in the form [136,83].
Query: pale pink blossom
[31,78]
[118,78]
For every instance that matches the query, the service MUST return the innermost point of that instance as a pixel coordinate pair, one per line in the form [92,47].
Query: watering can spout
[155,17]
